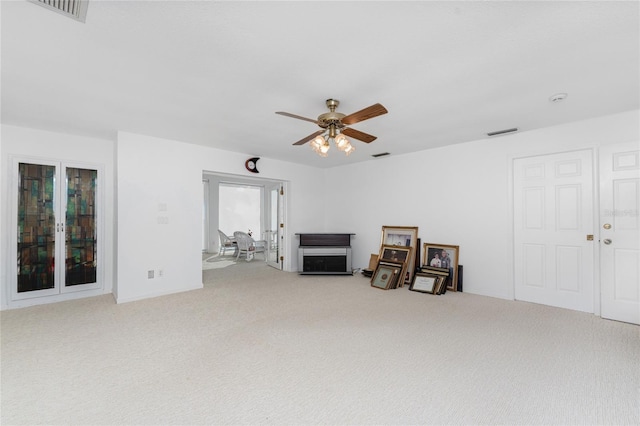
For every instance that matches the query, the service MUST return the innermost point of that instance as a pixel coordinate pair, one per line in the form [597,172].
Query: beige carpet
[259,346]
[218,262]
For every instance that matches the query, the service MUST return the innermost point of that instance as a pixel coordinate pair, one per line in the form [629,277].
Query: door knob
[607,226]
[607,241]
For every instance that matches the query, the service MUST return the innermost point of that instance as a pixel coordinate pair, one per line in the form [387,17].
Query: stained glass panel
[80,227]
[36,227]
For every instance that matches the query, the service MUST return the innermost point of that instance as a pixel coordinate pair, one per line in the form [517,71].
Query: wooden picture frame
[399,267]
[395,253]
[445,257]
[383,277]
[443,273]
[425,283]
[403,236]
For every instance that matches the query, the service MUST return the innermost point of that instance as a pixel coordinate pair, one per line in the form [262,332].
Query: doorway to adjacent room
[250,205]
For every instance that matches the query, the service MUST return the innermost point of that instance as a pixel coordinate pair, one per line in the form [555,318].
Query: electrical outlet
[160,273]
[150,274]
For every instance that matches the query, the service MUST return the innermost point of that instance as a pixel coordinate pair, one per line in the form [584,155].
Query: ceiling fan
[334,124]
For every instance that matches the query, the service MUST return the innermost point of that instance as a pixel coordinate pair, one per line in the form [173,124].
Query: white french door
[620,232]
[56,242]
[274,212]
[553,227]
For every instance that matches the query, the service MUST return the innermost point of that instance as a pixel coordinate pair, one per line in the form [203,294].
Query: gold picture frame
[395,253]
[402,236]
[401,270]
[384,276]
[398,255]
[443,256]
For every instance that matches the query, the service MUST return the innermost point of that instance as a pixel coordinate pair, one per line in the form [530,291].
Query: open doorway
[250,205]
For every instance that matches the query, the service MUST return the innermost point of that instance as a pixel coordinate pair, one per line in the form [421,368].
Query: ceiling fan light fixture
[349,149]
[333,124]
[324,149]
[341,141]
[318,142]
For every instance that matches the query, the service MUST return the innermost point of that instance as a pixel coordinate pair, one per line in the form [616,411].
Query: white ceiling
[214,73]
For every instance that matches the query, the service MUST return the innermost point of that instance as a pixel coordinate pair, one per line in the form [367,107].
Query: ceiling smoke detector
[558,97]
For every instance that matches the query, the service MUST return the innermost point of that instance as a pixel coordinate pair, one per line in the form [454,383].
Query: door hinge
[281,190]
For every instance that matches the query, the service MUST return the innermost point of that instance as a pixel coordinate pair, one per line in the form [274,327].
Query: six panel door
[620,232]
[553,216]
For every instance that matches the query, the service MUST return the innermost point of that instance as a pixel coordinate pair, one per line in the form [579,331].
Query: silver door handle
[607,241]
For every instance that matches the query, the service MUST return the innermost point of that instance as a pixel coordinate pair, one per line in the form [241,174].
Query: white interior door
[620,232]
[275,224]
[553,216]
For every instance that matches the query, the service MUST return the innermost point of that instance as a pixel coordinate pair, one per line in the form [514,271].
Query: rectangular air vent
[74,9]
[502,132]
[382,154]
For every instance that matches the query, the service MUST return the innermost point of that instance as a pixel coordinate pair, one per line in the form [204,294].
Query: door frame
[268,219]
[59,292]
[595,219]
[255,181]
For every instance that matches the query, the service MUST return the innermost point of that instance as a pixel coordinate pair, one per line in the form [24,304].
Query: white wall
[24,142]
[160,206]
[457,195]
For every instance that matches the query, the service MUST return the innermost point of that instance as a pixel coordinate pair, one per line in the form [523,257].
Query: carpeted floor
[218,262]
[260,346]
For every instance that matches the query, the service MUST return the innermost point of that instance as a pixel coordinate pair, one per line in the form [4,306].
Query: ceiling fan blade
[299,117]
[364,114]
[308,138]
[357,134]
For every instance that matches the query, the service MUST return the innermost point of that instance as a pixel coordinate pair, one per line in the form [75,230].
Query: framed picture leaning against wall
[405,236]
[443,256]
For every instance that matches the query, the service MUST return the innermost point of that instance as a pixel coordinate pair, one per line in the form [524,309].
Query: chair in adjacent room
[248,246]
[226,243]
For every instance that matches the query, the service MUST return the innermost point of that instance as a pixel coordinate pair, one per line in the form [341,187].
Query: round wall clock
[251,164]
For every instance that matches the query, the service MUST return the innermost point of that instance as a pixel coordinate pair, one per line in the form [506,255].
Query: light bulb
[317,142]
[349,149]
[341,142]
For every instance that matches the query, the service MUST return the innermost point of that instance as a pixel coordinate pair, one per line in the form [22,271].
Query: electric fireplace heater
[324,254]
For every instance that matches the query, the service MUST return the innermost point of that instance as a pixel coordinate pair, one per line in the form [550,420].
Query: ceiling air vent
[382,154]
[74,9]
[502,132]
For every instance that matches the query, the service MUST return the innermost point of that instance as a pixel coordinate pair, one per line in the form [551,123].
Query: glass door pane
[80,227]
[36,227]
[274,210]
